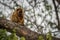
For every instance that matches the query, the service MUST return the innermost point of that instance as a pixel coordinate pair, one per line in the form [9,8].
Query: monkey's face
[20,12]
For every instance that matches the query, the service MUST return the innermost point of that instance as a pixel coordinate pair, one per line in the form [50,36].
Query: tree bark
[21,30]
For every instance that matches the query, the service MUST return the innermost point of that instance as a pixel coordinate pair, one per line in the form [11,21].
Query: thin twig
[56,11]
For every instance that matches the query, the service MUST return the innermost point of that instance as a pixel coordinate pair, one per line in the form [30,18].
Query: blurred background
[40,16]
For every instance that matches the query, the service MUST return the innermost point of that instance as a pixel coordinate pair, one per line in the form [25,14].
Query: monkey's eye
[18,9]
[20,13]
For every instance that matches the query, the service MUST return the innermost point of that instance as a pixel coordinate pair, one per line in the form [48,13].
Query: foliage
[22,38]
[49,36]
[40,37]
[4,36]
[13,36]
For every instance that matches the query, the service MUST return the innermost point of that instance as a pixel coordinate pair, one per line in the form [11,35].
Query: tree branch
[57,17]
[20,30]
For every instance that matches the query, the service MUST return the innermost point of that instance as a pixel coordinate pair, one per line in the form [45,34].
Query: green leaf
[40,37]
[49,36]
[22,38]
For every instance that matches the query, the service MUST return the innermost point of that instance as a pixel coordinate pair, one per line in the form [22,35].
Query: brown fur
[18,16]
